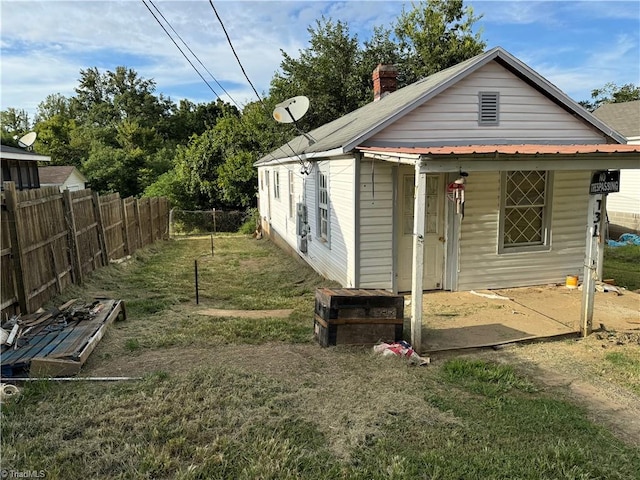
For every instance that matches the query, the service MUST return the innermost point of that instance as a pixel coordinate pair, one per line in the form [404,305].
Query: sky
[576,45]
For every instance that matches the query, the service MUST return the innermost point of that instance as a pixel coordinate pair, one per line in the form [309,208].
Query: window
[292,196]
[262,180]
[524,214]
[488,103]
[276,184]
[323,206]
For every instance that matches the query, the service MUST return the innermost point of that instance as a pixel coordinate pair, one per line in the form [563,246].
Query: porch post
[419,206]
[590,264]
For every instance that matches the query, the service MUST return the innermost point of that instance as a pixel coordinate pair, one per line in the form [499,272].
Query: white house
[344,195]
[623,208]
[65,177]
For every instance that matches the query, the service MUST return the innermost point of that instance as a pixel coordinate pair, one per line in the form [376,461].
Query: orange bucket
[572,281]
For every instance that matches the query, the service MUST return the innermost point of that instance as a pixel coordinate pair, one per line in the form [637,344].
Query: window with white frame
[276,184]
[323,206]
[525,210]
[292,196]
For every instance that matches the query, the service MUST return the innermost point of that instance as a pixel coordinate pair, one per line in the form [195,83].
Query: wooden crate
[349,316]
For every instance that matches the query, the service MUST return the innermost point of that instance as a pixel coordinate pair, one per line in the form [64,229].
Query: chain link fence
[205,222]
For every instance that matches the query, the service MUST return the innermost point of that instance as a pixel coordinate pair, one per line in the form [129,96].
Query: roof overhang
[25,156]
[303,157]
[511,157]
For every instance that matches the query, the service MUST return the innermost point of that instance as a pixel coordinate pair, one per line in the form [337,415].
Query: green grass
[623,265]
[627,366]
[251,399]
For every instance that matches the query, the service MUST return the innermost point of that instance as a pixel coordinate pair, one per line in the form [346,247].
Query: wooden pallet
[52,350]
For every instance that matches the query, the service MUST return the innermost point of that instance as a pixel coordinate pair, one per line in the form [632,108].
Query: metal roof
[524,149]
[347,132]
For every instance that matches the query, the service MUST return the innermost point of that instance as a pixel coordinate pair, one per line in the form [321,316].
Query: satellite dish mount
[292,110]
[26,141]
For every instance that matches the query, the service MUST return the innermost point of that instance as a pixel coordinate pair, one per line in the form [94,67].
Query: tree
[334,71]
[434,35]
[611,93]
[326,72]
[14,122]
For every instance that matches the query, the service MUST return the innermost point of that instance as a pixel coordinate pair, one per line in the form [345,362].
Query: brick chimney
[385,80]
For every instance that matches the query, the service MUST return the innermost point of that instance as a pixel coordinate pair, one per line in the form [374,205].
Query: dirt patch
[464,320]
[217,312]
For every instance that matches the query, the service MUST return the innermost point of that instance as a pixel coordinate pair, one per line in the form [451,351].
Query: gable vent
[488,108]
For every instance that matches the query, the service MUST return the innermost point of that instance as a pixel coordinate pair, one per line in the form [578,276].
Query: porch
[459,320]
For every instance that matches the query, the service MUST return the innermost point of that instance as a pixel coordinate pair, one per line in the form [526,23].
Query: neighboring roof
[14,153]
[345,133]
[623,117]
[57,175]
[524,149]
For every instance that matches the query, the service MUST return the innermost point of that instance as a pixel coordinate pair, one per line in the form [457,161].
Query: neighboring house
[343,196]
[21,167]
[623,208]
[65,177]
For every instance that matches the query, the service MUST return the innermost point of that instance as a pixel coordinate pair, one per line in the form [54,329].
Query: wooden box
[349,316]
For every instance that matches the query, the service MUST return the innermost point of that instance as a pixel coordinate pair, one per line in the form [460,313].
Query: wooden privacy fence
[51,239]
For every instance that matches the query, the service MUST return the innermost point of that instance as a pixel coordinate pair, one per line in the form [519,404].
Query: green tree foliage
[326,72]
[435,35]
[611,93]
[334,71]
[15,123]
[126,138]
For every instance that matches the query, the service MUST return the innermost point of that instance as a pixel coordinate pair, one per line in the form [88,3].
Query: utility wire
[234,51]
[181,51]
[194,55]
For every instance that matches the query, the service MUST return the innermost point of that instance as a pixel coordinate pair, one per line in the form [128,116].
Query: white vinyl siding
[338,262]
[376,225]
[627,200]
[481,266]
[452,117]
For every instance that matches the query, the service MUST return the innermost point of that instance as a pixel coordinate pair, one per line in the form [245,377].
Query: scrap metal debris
[58,341]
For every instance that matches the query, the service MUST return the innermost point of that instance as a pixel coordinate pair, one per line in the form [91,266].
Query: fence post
[136,210]
[125,227]
[16,248]
[151,215]
[76,265]
[101,233]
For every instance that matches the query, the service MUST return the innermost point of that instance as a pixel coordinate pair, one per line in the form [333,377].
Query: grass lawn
[237,398]
[623,265]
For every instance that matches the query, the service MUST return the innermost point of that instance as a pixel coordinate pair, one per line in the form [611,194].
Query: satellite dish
[27,140]
[291,110]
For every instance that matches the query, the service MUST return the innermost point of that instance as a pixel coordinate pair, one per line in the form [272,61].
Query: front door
[434,231]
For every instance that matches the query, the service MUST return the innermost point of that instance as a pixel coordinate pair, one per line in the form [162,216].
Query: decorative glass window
[524,215]
[292,197]
[488,108]
[276,184]
[323,206]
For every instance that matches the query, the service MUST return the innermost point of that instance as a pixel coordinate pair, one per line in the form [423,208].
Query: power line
[234,52]
[192,53]
[181,51]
